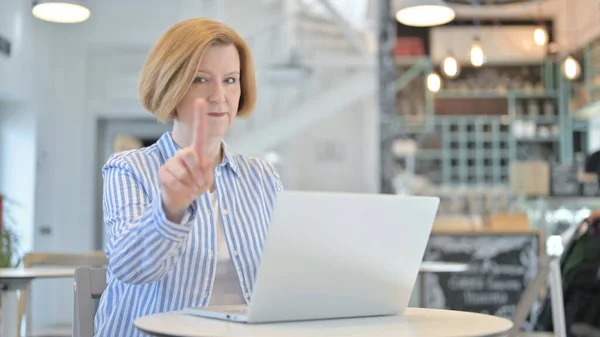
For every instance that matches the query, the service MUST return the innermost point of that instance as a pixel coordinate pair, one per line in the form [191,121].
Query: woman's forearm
[143,243]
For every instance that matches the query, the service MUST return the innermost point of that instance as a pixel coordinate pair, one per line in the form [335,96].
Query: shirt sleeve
[274,184]
[143,244]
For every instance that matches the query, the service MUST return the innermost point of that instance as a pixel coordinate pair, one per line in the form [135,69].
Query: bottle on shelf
[533,110]
[548,109]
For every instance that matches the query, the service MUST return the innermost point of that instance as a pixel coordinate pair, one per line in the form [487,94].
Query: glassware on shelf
[533,109]
[519,109]
[539,87]
[548,110]
[518,129]
[524,129]
[543,131]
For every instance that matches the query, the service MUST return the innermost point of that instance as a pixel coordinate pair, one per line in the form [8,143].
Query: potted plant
[9,241]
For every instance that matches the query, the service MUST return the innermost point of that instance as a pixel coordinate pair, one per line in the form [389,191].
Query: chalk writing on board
[501,267]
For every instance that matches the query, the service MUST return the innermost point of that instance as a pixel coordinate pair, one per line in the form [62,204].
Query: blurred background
[490,104]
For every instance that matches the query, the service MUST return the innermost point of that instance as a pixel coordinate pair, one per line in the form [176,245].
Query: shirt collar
[168,148]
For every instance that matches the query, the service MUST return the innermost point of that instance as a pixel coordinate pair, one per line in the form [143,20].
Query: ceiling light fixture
[425,13]
[60,11]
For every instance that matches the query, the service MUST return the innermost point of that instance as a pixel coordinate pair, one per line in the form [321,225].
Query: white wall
[13,27]
[339,154]
[17,121]
[17,167]
[27,79]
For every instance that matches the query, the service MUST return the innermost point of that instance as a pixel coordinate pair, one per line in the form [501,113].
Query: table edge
[495,334]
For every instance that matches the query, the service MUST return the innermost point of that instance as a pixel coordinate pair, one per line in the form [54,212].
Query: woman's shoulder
[143,159]
[254,167]
[246,162]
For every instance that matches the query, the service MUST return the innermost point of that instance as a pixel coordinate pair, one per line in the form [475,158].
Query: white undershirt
[226,288]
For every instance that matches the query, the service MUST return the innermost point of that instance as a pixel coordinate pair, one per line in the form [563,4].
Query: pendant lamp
[425,13]
[60,11]
[571,68]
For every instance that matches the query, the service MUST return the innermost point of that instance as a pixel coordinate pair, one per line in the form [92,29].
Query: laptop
[336,255]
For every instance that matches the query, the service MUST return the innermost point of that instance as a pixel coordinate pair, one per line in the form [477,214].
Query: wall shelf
[538,139]
[474,135]
[453,93]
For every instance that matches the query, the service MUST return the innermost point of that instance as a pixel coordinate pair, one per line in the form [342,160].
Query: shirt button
[236,253]
[247,295]
[225,212]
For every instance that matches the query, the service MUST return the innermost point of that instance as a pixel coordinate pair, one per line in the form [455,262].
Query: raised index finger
[199,136]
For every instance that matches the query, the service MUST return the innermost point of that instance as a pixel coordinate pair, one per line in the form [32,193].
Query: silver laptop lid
[331,255]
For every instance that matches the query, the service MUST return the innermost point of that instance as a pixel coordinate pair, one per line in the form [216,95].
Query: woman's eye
[199,80]
[230,80]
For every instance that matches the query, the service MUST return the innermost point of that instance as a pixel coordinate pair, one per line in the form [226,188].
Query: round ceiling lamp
[60,11]
[425,13]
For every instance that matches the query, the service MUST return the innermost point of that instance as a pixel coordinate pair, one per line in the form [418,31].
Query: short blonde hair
[173,61]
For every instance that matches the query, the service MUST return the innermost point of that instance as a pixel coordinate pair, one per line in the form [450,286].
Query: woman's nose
[217,94]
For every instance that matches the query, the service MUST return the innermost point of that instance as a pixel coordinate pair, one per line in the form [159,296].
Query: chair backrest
[36,259]
[91,259]
[548,272]
[89,285]
[529,296]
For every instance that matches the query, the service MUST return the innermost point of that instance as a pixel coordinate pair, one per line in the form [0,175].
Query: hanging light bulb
[434,82]
[450,66]
[540,36]
[571,68]
[60,11]
[477,55]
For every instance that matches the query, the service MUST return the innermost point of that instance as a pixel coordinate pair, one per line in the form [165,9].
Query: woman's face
[217,80]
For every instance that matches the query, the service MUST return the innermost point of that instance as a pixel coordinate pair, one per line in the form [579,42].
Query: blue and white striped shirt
[156,265]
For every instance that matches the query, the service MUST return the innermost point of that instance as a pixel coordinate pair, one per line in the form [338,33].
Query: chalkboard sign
[564,180]
[590,189]
[502,265]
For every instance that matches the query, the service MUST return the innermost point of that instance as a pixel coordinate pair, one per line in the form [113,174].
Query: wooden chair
[548,272]
[89,285]
[38,259]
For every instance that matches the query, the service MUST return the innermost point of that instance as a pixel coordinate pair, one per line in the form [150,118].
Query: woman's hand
[189,173]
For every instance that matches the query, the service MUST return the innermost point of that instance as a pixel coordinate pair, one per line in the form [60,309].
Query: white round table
[415,322]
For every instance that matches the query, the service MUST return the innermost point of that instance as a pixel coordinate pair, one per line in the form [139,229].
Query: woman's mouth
[217,114]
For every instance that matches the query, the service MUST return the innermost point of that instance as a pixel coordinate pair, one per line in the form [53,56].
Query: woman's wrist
[173,215]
